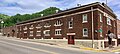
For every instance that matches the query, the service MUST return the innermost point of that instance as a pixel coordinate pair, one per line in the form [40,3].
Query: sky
[13,7]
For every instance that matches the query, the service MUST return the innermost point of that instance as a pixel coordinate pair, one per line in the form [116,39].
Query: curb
[117,50]
[78,47]
[92,49]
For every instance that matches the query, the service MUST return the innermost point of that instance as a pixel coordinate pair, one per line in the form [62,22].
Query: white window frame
[31,26]
[47,25]
[114,23]
[59,32]
[25,28]
[46,31]
[108,21]
[58,23]
[38,26]
[20,28]
[31,33]
[38,32]
[83,17]
[69,23]
[84,31]
[100,17]
[25,32]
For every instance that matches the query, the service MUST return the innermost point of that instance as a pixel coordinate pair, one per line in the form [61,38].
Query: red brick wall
[118,30]
[77,25]
[8,30]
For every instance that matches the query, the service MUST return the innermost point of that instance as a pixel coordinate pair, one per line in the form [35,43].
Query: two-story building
[87,24]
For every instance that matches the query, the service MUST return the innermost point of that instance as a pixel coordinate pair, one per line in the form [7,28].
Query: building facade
[118,30]
[88,22]
[10,31]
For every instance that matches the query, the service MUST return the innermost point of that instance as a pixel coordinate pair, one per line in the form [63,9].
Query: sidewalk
[116,49]
[64,44]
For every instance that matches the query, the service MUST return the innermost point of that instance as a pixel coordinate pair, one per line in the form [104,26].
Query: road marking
[29,47]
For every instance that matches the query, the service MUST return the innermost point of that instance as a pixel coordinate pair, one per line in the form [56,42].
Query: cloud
[12,7]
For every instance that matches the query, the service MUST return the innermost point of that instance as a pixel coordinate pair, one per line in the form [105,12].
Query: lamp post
[2,27]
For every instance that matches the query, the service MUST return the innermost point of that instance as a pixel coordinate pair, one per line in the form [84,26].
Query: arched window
[25,27]
[70,23]
[47,24]
[38,25]
[31,26]
[58,23]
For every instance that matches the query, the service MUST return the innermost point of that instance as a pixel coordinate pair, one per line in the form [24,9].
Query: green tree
[9,21]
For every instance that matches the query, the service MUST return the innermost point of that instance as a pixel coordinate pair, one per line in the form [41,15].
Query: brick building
[84,23]
[118,30]
[9,31]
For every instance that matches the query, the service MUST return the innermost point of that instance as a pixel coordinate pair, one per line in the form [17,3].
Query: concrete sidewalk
[61,43]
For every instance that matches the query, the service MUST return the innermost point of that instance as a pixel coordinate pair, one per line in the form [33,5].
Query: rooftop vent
[78,5]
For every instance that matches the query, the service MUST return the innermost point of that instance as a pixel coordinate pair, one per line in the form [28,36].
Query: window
[71,23]
[58,32]
[20,28]
[47,24]
[38,26]
[31,33]
[47,32]
[31,26]
[25,32]
[25,28]
[108,21]
[38,33]
[85,32]
[100,17]
[114,23]
[84,16]
[58,23]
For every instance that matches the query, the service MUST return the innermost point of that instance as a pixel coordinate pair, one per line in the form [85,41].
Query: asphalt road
[10,46]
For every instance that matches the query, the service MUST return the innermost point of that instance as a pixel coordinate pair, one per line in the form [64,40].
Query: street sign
[100,30]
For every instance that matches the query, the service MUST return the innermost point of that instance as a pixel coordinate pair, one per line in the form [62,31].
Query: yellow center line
[29,47]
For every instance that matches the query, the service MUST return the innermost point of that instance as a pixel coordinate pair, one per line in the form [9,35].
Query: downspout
[92,29]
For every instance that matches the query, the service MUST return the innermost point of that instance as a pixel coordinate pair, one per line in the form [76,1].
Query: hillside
[9,21]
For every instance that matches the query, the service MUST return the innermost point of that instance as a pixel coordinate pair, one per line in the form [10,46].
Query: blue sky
[12,7]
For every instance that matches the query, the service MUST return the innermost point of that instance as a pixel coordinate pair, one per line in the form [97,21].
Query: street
[10,46]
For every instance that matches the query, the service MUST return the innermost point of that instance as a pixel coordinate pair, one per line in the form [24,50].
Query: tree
[10,21]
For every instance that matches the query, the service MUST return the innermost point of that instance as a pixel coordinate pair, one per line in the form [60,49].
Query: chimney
[56,11]
[41,14]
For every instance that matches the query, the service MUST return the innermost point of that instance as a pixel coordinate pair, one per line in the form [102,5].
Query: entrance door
[71,39]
